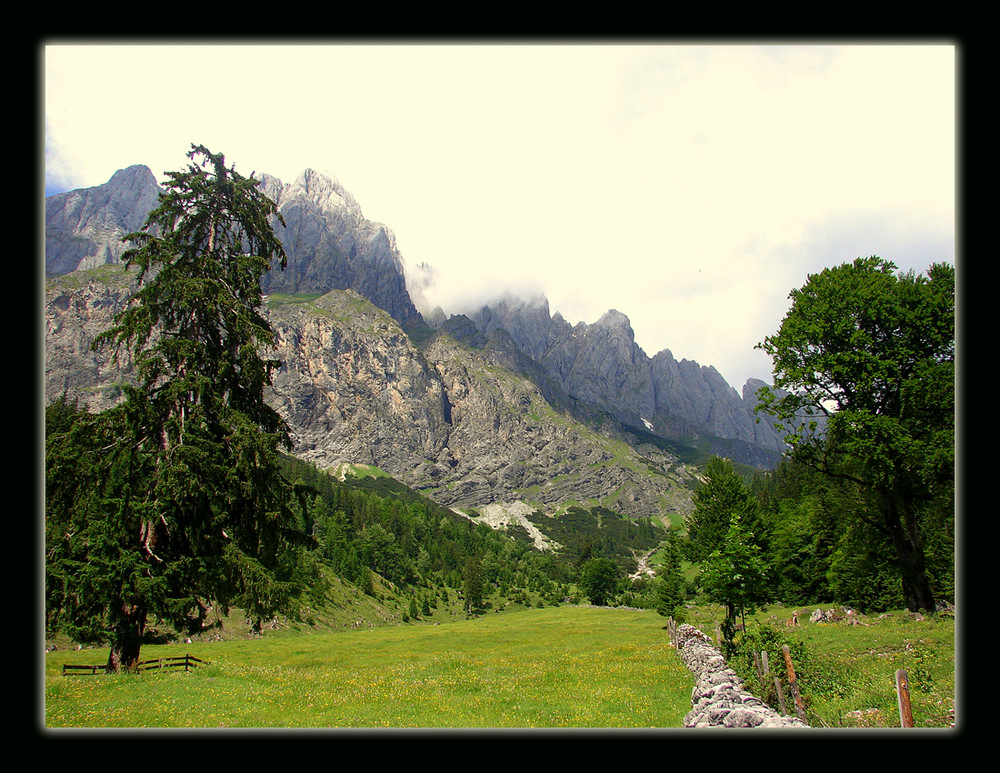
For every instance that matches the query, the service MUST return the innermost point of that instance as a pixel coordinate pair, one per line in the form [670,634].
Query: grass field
[557,667]
[851,670]
[567,667]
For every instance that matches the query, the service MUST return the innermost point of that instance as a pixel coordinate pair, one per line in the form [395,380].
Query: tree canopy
[722,495]
[599,580]
[864,370]
[173,501]
[735,574]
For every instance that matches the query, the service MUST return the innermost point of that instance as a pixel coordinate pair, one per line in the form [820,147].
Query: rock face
[330,245]
[448,419]
[84,228]
[718,698]
[507,442]
[353,387]
[78,307]
[601,364]
[453,421]
[328,242]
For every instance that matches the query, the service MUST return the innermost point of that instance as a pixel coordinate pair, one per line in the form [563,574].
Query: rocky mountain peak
[615,321]
[751,388]
[84,227]
[600,364]
[135,177]
[323,190]
[329,243]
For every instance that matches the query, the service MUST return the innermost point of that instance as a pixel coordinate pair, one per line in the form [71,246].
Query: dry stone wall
[719,698]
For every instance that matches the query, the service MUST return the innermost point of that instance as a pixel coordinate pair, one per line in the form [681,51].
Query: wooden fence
[764,673]
[760,661]
[187,662]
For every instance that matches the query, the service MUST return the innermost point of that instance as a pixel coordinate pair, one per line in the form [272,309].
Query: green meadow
[567,667]
[557,667]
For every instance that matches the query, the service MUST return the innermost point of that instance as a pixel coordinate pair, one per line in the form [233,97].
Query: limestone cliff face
[84,228]
[507,443]
[455,421]
[78,307]
[353,387]
[331,245]
[458,422]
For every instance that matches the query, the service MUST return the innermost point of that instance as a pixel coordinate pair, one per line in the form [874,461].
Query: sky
[689,185]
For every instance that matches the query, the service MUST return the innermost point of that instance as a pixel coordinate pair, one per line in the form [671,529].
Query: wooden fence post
[793,684]
[903,695]
[781,696]
[764,671]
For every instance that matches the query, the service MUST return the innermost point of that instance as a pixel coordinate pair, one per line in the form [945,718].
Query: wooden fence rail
[187,662]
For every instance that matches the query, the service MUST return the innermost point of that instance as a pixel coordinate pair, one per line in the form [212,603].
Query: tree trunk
[127,639]
[906,539]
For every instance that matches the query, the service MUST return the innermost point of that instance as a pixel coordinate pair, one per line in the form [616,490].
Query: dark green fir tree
[172,502]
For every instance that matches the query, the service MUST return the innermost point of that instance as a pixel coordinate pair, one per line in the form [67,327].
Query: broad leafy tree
[735,574]
[599,580]
[173,502]
[866,359]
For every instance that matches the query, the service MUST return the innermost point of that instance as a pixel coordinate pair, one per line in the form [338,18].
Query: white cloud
[690,187]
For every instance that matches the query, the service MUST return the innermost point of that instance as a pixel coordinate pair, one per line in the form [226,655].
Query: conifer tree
[182,506]
[669,589]
[721,495]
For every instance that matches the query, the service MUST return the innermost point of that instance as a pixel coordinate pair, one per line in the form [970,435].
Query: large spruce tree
[172,502]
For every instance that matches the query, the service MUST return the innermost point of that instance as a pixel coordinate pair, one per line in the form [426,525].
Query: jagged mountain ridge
[84,227]
[450,420]
[457,423]
[328,242]
[595,371]
[602,365]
